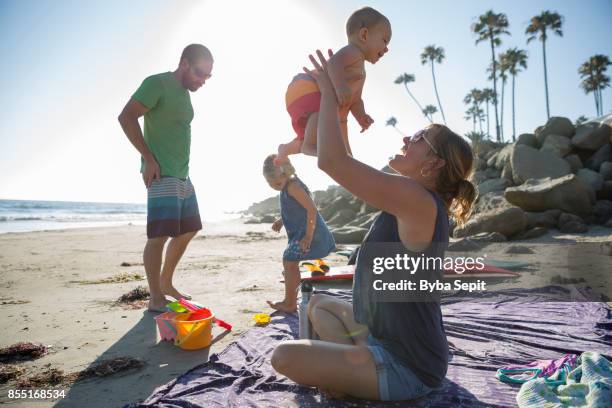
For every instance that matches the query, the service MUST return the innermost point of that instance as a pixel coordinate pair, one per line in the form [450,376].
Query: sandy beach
[45,298]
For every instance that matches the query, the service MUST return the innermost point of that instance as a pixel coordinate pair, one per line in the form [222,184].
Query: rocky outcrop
[592,136]
[567,193]
[508,222]
[555,126]
[528,162]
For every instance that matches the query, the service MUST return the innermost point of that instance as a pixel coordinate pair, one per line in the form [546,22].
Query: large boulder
[349,235]
[592,136]
[342,217]
[570,223]
[555,126]
[602,211]
[557,144]
[528,139]
[528,163]
[606,191]
[574,162]
[501,158]
[567,193]
[591,178]
[606,170]
[498,184]
[508,222]
[482,175]
[490,202]
[339,203]
[601,156]
[546,219]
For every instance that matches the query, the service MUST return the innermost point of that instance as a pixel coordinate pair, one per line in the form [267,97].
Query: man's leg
[152,258]
[174,252]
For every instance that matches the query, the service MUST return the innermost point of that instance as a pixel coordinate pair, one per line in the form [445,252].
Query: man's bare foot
[157,305]
[283,306]
[170,290]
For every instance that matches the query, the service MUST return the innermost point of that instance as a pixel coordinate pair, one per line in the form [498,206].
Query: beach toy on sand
[176,307]
[191,330]
[261,319]
[316,268]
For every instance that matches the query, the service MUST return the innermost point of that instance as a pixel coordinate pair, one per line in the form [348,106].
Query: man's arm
[128,118]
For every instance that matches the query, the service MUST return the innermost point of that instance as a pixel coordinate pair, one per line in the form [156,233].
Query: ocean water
[27,215]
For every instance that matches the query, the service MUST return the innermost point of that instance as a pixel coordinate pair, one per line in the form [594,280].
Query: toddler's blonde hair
[273,172]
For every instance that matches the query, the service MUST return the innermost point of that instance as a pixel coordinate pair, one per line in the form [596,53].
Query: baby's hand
[344,94]
[277,225]
[365,121]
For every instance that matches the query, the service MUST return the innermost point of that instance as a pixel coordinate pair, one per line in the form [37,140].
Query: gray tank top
[411,331]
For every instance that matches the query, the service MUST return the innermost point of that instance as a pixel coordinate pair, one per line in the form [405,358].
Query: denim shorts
[396,382]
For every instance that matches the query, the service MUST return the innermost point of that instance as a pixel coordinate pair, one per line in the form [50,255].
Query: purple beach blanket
[514,327]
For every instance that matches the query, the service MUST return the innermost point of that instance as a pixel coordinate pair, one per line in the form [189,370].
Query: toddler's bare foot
[158,305]
[284,306]
[170,290]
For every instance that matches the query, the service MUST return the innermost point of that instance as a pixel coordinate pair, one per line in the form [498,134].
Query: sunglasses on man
[200,73]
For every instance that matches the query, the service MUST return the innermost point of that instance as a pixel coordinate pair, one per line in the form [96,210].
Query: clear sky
[68,67]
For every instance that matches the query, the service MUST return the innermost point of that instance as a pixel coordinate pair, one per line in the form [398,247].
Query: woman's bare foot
[170,290]
[157,305]
[283,306]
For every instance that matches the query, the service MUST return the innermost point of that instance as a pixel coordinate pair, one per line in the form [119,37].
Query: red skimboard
[346,272]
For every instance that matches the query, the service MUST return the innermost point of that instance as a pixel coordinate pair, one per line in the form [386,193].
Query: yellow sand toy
[318,268]
[261,319]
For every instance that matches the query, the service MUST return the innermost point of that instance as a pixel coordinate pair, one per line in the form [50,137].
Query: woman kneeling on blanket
[384,350]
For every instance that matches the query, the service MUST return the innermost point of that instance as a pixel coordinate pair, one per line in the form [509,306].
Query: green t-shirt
[167,124]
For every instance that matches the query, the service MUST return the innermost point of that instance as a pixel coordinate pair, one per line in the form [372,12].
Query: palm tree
[594,78]
[514,59]
[474,113]
[393,122]
[501,70]
[487,97]
[474,98]
[405,79]
[547,20]
[491,26]
[433,54]
[429,110]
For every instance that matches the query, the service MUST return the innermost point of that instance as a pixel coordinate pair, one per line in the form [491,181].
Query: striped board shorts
[172,208]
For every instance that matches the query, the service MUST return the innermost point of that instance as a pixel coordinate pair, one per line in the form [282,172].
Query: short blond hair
[273,172]
[365,17]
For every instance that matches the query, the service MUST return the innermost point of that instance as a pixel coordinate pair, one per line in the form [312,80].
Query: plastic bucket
[194,330]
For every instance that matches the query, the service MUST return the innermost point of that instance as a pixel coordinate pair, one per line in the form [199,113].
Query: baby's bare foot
[282,157]
[283,306]
[170,290]
[158,305]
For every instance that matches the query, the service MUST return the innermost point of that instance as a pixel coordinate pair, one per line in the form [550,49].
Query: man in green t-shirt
[172,207]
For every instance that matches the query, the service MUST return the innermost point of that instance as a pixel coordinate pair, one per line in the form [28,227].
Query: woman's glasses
[421,135]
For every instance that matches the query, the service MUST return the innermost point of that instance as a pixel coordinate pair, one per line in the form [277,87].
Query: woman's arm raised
[395,194]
